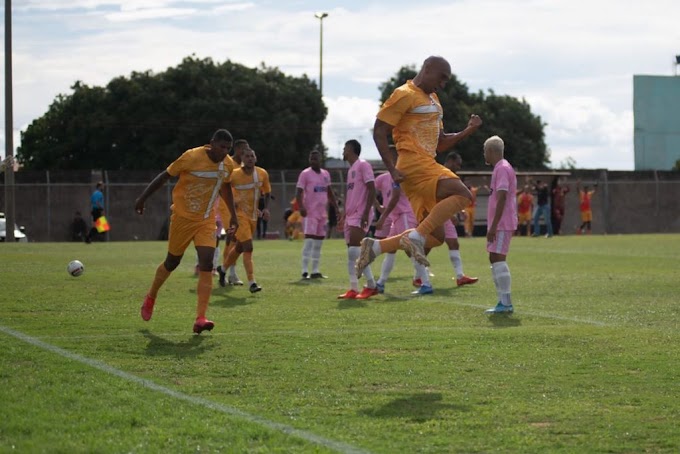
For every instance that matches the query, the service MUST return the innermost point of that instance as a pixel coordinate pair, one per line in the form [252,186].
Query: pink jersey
[385,184]
[315,191]
[358,175]
[503,179]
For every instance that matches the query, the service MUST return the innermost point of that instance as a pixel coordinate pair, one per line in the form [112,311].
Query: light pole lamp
[321,17]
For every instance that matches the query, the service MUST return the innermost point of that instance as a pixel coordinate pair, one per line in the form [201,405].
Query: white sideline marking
[288,430]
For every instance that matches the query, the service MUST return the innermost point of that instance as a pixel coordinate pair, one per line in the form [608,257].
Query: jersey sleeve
[180,164]
[266,186]
[395,107]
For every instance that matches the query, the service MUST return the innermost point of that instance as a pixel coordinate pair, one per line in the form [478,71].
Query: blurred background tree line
[146,120]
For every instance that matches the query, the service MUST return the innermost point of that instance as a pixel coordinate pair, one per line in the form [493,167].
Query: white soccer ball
[75,268]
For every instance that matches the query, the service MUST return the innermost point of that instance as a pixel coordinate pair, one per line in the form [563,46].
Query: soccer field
[589,362]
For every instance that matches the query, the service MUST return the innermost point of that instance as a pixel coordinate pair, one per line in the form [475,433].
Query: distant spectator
[78,228]
[585,196]
[542,208]
[558,194]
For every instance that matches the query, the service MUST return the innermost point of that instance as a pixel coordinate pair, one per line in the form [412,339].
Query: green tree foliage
[508,117]
[147,120]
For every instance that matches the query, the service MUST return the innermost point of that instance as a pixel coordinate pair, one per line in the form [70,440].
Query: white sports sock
[421,272]
[414,235]
[386,269]
[376,248]
[306,254]
[232,271]
[368,274]
[316,255]
[352,256]
[503,281]
[454,256]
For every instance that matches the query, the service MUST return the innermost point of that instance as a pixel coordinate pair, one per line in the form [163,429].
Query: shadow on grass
[417,407]
[221,299]
[190,348]
[504,321]
[351,304]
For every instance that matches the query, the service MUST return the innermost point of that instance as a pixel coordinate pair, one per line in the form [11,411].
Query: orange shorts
[586,216]
[246,228]
[421,174]
[523,218]
[183,231]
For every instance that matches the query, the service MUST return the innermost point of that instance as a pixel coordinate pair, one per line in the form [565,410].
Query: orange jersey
[200,180]
[473,202]
[524,202]
[416,117]
[247,189]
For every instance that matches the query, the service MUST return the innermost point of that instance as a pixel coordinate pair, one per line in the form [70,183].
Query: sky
[573,61]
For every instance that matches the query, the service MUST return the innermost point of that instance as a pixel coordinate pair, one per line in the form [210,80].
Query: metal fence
[625,202]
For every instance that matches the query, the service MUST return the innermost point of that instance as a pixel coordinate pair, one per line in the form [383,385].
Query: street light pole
[321,17]
[9,128]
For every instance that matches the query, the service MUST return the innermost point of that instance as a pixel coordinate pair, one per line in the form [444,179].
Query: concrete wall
[626,202]
[656,109]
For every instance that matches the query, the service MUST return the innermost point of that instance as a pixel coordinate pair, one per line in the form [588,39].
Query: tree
[503,115]
[147,120]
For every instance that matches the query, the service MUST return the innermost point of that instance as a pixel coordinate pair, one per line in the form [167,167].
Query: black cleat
[223,276]
[254,288]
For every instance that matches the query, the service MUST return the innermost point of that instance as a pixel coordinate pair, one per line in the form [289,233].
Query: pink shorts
[402,222]
[502,244]
[450,230]
[315,226]
[354,221]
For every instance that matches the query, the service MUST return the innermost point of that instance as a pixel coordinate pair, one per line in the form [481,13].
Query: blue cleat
[423,290]
[380,287]
[500,309]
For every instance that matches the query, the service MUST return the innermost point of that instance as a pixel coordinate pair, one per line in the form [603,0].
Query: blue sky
[572,60]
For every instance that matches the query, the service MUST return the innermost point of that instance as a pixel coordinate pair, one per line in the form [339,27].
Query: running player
[204,175]
[248,183]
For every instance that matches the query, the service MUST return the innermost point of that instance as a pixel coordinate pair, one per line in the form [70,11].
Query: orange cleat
[465,280]
[348,295]
[366,293]
[417,282]
[203,324]
[147,308]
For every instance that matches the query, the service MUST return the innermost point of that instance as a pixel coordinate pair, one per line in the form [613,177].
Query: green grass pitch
[589,362]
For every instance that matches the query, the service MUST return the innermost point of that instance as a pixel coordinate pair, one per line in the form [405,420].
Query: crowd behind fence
[46,201]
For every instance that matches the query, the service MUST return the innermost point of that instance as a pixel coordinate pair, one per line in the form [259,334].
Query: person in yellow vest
[248,183]
[585,196]
[204,176]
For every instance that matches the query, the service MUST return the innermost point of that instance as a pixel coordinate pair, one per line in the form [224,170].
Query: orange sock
[230,258]
[391,244]
[443,210]
[203,289]
[248,265]
[159,279]
[225,257]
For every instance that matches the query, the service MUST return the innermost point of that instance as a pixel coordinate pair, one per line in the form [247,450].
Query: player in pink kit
[383,189]
[357,217]
[398,214]
[501,218]
[313,194]
[455,163]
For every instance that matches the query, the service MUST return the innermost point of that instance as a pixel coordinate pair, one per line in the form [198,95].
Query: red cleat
[417,282]
[348,295]
[366,293]
[147,308]
[203,324]
[466,280]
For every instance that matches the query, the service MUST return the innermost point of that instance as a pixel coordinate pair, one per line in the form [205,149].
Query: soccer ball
[75,268]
